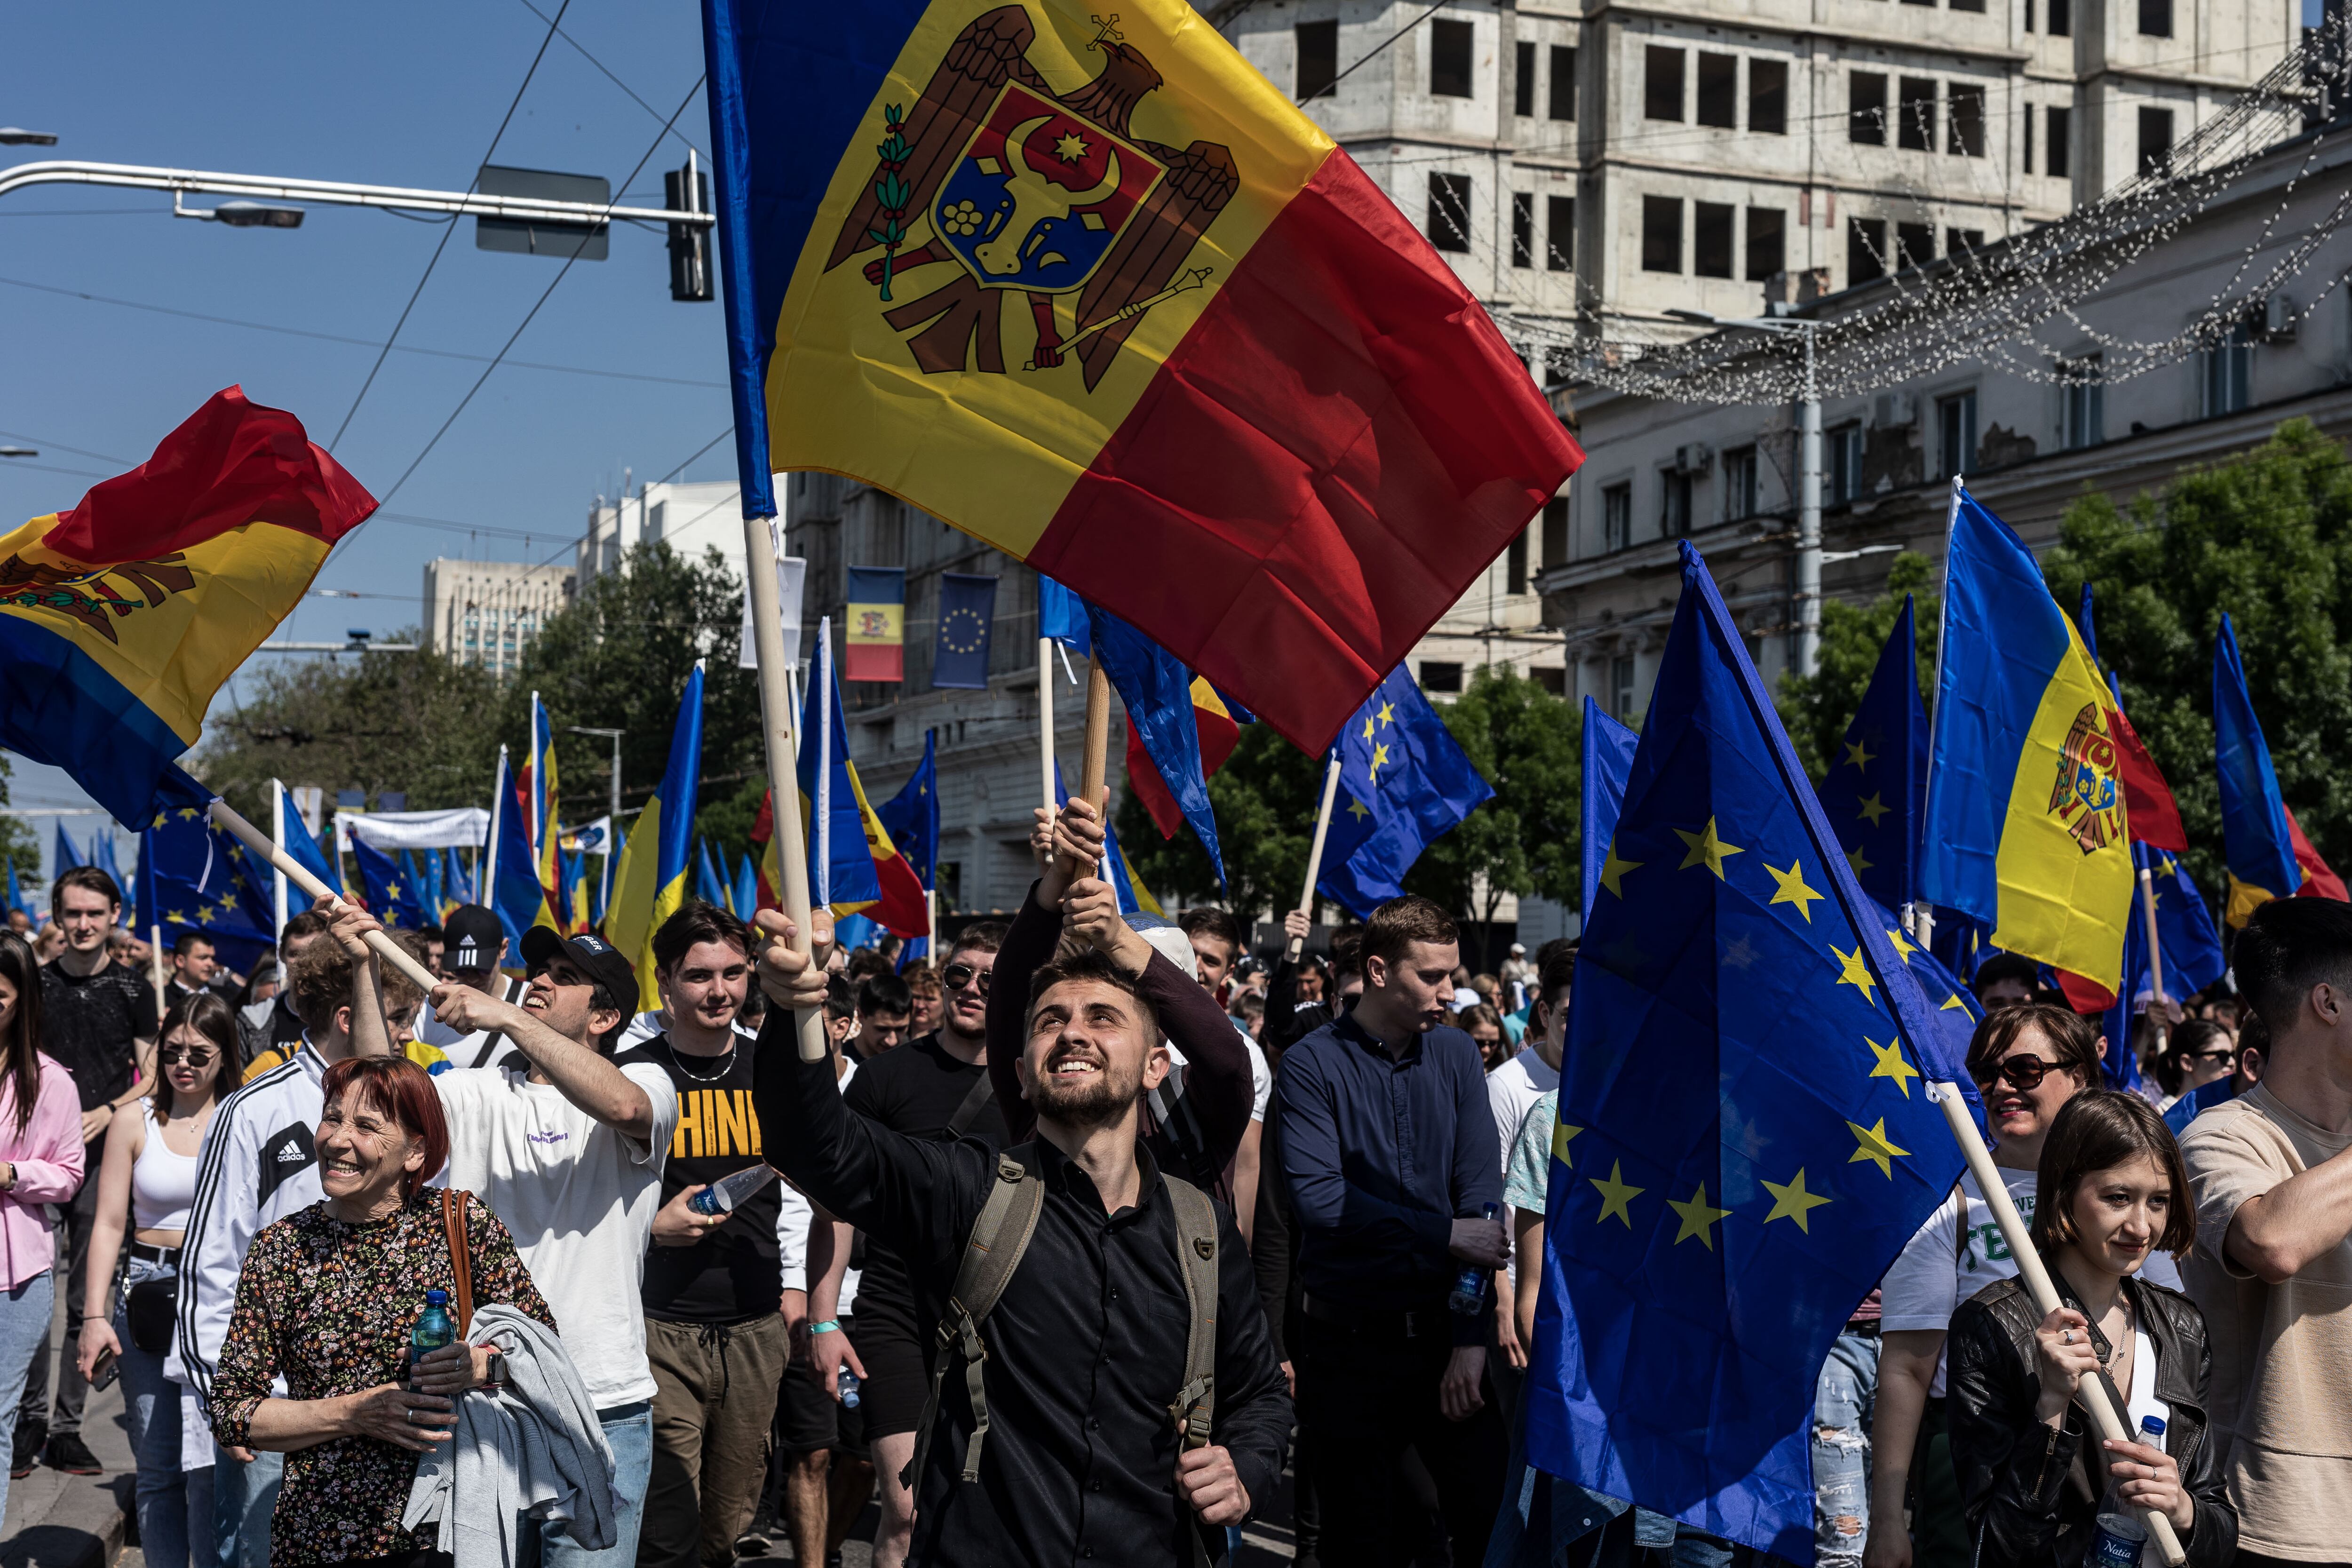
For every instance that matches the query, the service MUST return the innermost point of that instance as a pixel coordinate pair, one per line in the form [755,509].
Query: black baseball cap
[599,959]
[470,938]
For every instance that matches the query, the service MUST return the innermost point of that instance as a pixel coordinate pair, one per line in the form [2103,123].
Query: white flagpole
[486,884]
[383,947]
[763,543]
[277,877]
[822,676]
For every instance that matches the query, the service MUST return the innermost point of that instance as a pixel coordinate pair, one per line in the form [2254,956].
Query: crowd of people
[1090,1226]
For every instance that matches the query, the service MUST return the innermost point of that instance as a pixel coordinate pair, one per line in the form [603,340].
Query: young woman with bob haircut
[2031,1466]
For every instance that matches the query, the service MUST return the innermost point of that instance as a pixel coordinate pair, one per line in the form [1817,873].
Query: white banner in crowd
[461,828]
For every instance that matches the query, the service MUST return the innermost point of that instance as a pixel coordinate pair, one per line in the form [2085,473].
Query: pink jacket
[47,1155]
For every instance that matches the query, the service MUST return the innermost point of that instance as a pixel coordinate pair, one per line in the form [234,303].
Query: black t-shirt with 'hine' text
[734,1274]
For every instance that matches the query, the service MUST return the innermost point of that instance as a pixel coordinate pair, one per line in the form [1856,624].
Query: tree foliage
[1816,708]
[2265,534]
[18,842]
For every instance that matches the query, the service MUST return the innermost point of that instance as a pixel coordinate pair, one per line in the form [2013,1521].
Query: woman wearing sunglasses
[2028,1060]
[2031,1467]
[146,1184]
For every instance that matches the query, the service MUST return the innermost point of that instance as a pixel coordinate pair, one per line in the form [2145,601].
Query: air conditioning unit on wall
[1692,457]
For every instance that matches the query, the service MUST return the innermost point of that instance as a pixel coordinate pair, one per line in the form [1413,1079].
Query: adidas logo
[291,1155]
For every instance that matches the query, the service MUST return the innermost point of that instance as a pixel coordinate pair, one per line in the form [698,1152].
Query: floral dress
[328,1305]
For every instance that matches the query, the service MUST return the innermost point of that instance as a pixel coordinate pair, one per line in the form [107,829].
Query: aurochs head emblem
[1035,203]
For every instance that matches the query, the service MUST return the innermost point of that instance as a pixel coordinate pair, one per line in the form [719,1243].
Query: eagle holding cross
[1020,189]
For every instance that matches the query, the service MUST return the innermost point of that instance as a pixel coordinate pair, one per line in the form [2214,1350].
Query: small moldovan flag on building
[874,629]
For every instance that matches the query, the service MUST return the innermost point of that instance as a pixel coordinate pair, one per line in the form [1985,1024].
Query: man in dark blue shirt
[1389,1153]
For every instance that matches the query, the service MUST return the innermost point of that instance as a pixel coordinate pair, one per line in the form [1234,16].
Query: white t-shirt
[1936,1272]
[1261,1079]
[1512,1090]
[579,1199]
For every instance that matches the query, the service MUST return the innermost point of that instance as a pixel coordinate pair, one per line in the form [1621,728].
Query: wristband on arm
[827,1327]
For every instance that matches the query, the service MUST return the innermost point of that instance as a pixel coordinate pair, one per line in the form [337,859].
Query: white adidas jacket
[258,1165]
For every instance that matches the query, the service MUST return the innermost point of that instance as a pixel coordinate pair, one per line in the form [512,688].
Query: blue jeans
[629,1428]
[1843,1400]
[24,1333]
[171,1513]
[244,1496]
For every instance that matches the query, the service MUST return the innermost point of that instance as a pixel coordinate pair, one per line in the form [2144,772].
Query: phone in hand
[109,1368]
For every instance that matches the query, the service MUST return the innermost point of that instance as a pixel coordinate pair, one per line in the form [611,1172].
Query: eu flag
[16,894]
[967,623]
[393,896]
[1404,783]
[1876,792]
[190,878]
[296,840]
[1157,690]
[2187,942]
[912,817]
[2257,844]
[1608,762]
[707,885]
[1748,1059]
[515,894]
[66,856]
[1062,616]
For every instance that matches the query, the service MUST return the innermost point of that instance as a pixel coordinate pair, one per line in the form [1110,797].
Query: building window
[1842,465]
[1915,245]
[1915,125]
[1562,104]
[1515,564]
[1711,238]
[1661,83]
[1979,5]
[1436,677]
[2155,141]
[1620,688]
[1552,677]
[1739,498]
[1718,90]
[1555,532]
[2058,143]
[1449,213]
[1956,434]
[1319,58]
[1766,243]
[2025,142]
[1559,232]
[2229,370]
[1449,59]
[2028,16]
[1523,229]
[2083,420]
[1662,234]
[1523,83]
[1964,133]
[1865,108]
[1616,516]
[2155,18]
[2062,19]
[1960,242]
[1768,97]
[1673,504]
[1865,249]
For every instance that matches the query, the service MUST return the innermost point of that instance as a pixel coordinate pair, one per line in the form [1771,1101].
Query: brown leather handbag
[453,1224]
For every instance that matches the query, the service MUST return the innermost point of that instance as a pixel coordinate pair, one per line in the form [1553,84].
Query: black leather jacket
[2033,1494]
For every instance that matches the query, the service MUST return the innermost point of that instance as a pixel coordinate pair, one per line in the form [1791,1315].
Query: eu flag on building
[967,623]
[1404,783]
[1745,1134]
[1608,762]
[1875,794]
[393,896]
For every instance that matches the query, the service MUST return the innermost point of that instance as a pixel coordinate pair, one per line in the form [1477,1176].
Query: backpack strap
[999,1237]
[1196,1251]
[976,1099]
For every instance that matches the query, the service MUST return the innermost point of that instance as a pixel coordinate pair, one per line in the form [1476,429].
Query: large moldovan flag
[1088,287]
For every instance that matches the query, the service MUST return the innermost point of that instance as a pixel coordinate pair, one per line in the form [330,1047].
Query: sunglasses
[174,1055]
[2223,1058]
[2024,1074]
[956,976]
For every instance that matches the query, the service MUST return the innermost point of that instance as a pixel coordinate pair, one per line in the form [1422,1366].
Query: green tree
[1527,744]
[18,842]
[2265,534]
[1816,708]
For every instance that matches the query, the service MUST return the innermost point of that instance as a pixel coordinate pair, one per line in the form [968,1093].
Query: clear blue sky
[406,95]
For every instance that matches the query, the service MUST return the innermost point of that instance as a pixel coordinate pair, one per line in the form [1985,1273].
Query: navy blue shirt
[1382,1154]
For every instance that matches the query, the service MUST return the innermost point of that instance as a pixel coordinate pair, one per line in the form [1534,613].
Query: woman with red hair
[326,1299]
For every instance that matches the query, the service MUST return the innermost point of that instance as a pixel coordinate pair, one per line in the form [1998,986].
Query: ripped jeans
[1843,1401]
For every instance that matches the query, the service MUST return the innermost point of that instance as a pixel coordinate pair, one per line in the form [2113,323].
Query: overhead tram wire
[610,77]
[1376,50]
[443,243]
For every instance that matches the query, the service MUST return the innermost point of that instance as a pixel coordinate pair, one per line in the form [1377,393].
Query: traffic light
[688,190]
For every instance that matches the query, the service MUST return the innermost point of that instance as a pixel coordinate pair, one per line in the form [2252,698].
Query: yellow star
[392,892]
[1562,1135]
[1872,808]
[1388,714]
[1070,148]
[1871,1143]
[1855,972]
[1368,729]
[1698,1218]
[1793,890]
[1860,754]
[1612,869]
[1903,945]
[1891,1063]
[1380,755]
[2171,866]
[1707,849]
[190,813]
[1856,861]
[176,919]
[1358,810]
[1953,1004]
[1790,1201]
[1615,1194]
[162,817]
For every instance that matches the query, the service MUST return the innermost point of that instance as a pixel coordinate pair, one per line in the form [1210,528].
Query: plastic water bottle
[848,1389]
[729,1192]
[1469,1297]
[2122,1536]
[435,1328]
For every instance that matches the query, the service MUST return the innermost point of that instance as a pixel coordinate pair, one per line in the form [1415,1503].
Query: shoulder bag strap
[1195,1406]
[461,1258]
[999,1237]
[976,1099]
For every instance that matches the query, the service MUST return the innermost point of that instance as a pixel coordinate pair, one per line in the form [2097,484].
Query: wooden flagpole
[293,871]
[2155,968]
[1091,788]
[761,547]
[1315,854]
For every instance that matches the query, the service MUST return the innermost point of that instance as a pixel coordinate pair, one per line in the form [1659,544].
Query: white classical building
[688,518]
[487,612]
